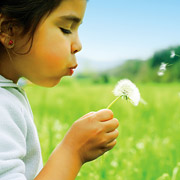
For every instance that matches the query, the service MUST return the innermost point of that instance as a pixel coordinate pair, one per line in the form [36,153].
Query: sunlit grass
[148,145]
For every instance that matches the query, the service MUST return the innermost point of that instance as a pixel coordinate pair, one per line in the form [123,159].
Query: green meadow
[148,145]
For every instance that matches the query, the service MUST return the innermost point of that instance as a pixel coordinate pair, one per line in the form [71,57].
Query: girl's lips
[72,69]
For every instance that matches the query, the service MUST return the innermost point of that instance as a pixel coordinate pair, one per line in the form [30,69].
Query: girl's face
[55,44]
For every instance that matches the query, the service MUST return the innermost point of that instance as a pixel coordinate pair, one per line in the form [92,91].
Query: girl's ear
[7,33]
[6,40]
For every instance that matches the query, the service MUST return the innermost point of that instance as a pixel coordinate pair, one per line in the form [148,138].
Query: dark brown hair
[26,14]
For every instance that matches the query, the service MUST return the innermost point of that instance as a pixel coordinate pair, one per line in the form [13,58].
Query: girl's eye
[65,31]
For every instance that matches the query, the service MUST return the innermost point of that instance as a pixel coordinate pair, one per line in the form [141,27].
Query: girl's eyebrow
[71,18]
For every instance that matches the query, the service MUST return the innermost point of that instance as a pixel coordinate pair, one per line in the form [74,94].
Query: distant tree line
[147,70]
[141,70]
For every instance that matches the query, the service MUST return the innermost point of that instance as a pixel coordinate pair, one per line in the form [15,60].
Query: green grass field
[148,145]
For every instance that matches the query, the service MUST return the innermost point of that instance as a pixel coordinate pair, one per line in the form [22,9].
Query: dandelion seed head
[172,54]
[127,90]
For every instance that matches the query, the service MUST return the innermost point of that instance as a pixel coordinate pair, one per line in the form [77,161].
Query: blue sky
[127,29]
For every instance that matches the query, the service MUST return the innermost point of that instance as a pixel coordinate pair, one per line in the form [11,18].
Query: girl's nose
[76,46]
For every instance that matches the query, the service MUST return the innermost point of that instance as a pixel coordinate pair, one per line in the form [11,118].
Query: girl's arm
[88,138]
[64,164]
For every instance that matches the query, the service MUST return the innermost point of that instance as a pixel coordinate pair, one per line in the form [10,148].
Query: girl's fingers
[88,114]
[104,115]
[111,125]
[109,138]
[112,136]
[110,145]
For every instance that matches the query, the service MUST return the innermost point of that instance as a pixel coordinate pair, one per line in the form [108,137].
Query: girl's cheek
[51,48]
[52,56]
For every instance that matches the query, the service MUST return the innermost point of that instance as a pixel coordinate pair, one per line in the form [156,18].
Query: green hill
[145,71]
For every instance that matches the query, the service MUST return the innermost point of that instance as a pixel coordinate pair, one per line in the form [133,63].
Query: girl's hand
[92,135]
[88,138]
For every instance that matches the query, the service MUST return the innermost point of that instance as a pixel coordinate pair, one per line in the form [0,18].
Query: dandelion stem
[113,102]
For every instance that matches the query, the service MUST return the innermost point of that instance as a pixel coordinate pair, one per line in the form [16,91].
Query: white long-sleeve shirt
[20,153]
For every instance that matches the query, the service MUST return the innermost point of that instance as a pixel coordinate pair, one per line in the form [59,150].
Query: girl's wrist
[64,163]
[71,151]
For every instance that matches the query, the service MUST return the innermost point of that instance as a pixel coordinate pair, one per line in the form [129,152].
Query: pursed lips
[74,67]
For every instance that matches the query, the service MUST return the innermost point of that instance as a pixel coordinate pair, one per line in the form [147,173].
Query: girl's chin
[49,83]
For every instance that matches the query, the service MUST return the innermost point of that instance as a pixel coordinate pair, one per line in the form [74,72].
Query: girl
[38,41]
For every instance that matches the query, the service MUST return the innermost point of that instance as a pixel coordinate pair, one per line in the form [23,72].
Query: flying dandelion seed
[163,66]
[172,54]
[125,89]
[160,73]
[162,69]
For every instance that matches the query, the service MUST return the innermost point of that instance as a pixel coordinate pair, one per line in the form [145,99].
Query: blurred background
[121,39]
[130,39]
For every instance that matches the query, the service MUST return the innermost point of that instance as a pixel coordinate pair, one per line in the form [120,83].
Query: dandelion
[125,89]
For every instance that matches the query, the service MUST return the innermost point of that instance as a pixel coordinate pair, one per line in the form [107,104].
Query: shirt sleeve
[12,142]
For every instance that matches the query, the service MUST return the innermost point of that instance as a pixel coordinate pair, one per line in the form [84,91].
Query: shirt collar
[8,83]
